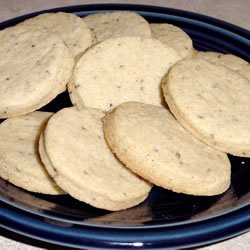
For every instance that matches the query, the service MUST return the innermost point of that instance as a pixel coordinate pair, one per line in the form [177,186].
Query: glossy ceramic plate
[165,219]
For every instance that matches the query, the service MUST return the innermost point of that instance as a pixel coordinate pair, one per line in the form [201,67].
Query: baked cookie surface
[119,70]
[69,27]
[212,102]
[82,164]
[173,37]
[20,163]
[35,66]
[228,60]
[117,24]
[150,142]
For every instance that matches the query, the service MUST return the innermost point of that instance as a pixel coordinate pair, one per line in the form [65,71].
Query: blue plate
[165,219]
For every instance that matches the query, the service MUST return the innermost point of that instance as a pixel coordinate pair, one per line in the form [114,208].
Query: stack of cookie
[147,109]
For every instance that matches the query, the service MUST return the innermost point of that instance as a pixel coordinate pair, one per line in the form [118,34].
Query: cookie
[121,69]
[173,37]
[212,102]
[117,24]
[230,61]
[20,163]
[71,29]
[150,142]
[35,66]
[82,164]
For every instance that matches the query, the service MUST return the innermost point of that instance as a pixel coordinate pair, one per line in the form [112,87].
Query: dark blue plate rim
[159,225]
[136,7]
[178,237]
[203,231]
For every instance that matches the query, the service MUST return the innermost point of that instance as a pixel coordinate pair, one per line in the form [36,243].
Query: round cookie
[82,164]
[19,159]
[230,61]
[174,37]
[71,29]
[117,24]
[212,102]
[35,66]
[121,69]
[150,142]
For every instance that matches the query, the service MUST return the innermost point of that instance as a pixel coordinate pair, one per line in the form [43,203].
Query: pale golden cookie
[82,164]
[117,24]
[35,66]
[212,102]
[69,27]
[150,142]
[20,163]
[174,37]
[230,61]
[121,69]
